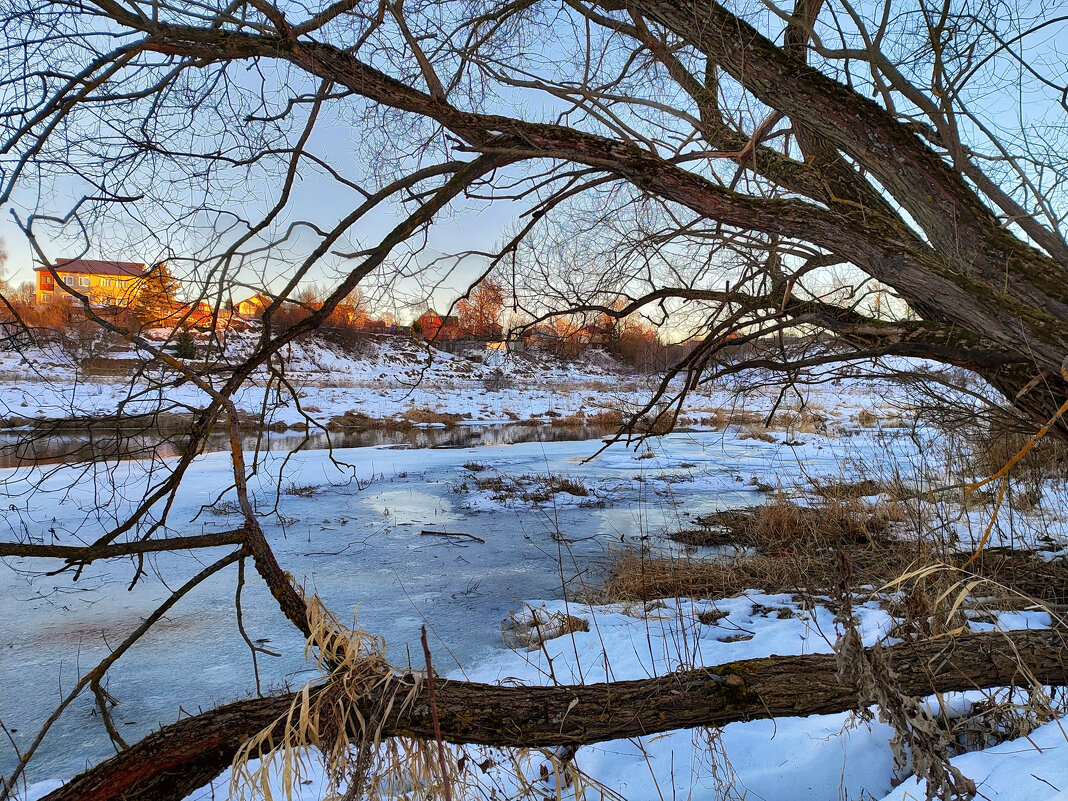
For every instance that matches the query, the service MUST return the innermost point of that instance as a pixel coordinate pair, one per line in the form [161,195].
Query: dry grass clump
[808,560]
[358,420]
[1025,576]
[353,419]
[795,548]
[337,719]
[720,417]
[531,488]
[426,416]
[781,526]
[867,419]
[1004,438]
[809,420]
[531,630]
[711,536]
[605,417]
[756,432]
[639,578]
[601,417]
[851,490]
[998,719]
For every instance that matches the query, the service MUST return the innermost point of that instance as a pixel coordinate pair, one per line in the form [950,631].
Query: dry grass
[851,490]
[426,416]
[1003,439]
[532,488]
[530,629]
[332,723]
[601,417]
[756,432]
[782,527]
[867,419]
[794,548]
[810,420]
[353,419]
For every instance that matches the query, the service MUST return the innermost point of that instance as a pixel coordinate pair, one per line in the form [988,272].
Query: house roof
[98,267]
[259,299]
[430,314]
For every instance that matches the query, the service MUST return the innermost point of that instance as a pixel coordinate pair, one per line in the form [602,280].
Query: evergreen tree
[155,295]
[185,345]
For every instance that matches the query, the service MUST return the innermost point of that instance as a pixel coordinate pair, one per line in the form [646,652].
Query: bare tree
[712,167]
[480,312]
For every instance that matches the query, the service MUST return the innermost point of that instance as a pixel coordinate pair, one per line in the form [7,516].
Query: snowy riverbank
[538,524]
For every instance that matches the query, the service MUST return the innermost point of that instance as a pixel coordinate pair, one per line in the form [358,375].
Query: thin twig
[428,533]
[437,723]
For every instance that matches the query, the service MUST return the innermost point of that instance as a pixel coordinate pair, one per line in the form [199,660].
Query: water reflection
[98,444]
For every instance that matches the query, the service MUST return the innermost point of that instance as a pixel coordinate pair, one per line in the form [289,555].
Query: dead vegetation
[531,488]
[424,416]
[784,527]
[783,547]
[994,445]
[530,628]
[410,418]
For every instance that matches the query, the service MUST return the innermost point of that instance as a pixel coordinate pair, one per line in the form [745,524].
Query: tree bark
[171,763]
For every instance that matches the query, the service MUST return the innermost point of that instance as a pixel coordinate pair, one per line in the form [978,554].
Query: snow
[383,378]
[349,525]
[1033,768]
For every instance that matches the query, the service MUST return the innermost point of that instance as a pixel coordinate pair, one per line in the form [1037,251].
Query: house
[200,315]
[433,326]
[107,283]
[252,308]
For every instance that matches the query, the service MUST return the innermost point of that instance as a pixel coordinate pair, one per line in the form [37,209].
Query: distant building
[433,326]
[106,283]
[200,315]
[252,308]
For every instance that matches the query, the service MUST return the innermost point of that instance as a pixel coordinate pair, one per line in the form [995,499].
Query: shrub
[496,380]
[185,346]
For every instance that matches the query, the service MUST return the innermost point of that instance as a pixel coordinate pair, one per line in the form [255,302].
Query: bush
[185,346]
[496,380]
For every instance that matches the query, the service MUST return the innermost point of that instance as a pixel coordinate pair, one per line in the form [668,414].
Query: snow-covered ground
[385,378]
[364,528]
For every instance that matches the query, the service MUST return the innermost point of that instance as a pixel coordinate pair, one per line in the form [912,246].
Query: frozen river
[351,531]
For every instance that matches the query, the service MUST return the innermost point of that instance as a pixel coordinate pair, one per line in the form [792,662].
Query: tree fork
[172,762]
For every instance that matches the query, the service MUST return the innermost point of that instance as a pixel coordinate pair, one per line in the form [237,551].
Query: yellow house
[109,283]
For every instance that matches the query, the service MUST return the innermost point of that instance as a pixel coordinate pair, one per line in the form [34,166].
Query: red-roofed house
[111,283]
[433,326]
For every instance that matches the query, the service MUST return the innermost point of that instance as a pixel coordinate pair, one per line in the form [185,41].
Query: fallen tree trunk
[171,763]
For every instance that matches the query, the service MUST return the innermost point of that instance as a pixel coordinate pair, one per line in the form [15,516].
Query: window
[106,282]
[84,280]
[68,280]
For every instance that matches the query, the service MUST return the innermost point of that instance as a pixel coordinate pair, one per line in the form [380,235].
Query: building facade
[106,283]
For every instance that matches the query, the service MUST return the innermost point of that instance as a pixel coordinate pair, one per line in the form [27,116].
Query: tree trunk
[168,765]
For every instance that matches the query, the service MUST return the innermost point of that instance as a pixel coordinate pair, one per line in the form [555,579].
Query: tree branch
[168,765]
[84,554]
